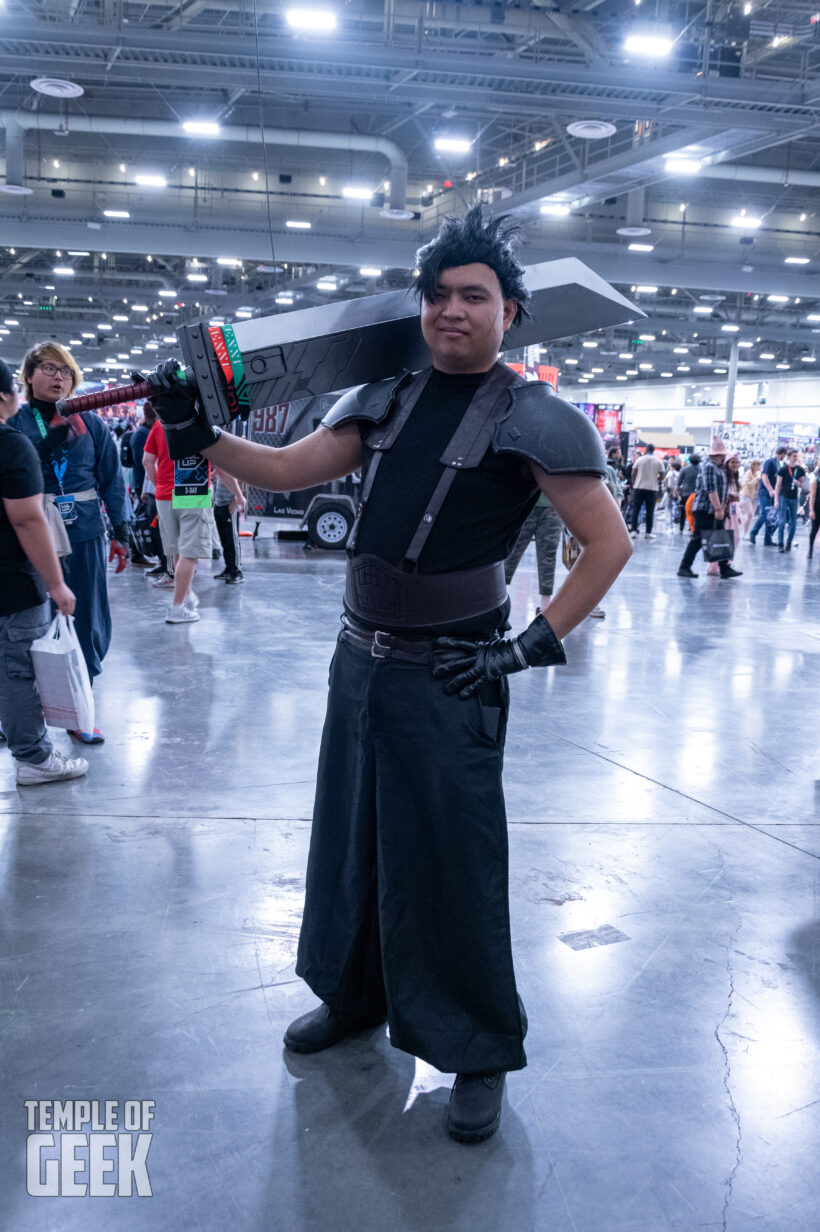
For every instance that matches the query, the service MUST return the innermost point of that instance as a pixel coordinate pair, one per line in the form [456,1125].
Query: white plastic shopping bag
[62,677]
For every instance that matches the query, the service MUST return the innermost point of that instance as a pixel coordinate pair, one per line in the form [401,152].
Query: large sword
[239,368]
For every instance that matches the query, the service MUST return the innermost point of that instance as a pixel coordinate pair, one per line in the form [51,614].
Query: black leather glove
[467,665]
[54,438]
[122,534]
[175,401]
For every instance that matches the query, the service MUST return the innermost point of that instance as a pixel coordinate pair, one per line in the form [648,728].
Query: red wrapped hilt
[105,397]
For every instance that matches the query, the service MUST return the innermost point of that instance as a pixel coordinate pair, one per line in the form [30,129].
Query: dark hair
[650,448]
[694,459]
[149,415]
[780,449]
[463,241]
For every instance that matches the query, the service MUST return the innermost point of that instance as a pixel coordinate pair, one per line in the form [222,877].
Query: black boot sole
[470,1136]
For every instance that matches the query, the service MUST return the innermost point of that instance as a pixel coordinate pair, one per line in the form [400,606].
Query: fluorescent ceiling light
[122,355]
[169,338]
[807,359]
[788,261]
[116,213]
[646,289]
[232,262]
[683,166]
[103,325]
[625,355]
[647,337]
[646,367]
[76,252]
[87,334]
[139,307]
[311,19]
[703,310]
[703,360]
[766,355]
[781,365]
[555,208]
[667,374]
[720,371]
[63,271]
[11,321]
[370,271]
[641,247]
[284,299]
[684,368]
[152,346]
[167,294]
[570,361]
[681,350]
[296,224]
[621,378]
[242,314]
[324,284]
[730,329]
[119,316]
[777,299]
[354,193]
[197,277]
[151,181]
[813,316]
[746,221]
[453,145]
[648,44]
[201,128]
[597,369]
[589,343]
[632,372]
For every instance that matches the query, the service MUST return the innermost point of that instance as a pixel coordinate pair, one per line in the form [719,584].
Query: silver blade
[319,350]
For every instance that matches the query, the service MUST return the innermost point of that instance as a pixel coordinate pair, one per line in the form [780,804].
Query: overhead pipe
[760,175]
[304,138]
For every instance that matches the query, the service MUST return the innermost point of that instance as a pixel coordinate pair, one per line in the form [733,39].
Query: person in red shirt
[186,533]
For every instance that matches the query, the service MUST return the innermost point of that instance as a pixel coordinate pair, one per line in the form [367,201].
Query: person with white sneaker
[186,532]
[647,473]
[26,551]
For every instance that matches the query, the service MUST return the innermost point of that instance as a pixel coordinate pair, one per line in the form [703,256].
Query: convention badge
[66,507]
[192,483]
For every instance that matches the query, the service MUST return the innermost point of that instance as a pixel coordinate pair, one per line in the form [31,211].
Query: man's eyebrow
[473,287]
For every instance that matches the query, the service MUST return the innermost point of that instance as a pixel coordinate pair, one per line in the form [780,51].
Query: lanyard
[59,468]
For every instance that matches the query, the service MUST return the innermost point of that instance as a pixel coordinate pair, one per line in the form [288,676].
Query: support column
[734,352]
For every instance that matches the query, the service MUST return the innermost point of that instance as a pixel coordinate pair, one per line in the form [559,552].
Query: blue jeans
[764,502]
[20,711]
[787,513]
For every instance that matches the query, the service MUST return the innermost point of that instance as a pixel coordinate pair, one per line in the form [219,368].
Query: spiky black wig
[462,241]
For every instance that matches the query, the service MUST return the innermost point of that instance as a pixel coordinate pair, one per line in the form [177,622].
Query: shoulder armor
[369,402]
[551,432]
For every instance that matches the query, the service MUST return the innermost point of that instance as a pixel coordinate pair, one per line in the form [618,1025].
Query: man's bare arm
[587,509]
[324,455]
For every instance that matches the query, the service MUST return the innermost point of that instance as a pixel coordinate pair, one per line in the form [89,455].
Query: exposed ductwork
[16,121]
[760,175]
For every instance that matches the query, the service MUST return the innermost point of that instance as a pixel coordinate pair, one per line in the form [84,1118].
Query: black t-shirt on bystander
[20,476]
[789,477]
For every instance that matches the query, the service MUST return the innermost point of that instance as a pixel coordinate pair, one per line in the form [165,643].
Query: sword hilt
[105,397]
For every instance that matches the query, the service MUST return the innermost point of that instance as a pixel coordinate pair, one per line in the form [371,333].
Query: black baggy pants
[648,497]
[407,908]
[228,531]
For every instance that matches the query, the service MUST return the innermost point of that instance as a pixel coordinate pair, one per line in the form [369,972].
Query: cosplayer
[406,915]
[81,469]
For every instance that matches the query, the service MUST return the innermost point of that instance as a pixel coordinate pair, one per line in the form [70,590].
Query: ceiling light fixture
[683,166]
[648,289]
[354,192]
[703,310]
[116,213]
[197,277]
[555,209]
[647,337]
[201,128]
[730,329]
[63,271]
[370,271]
[648,45]
[766,355]
[746,221]
[452,144]
[150,180]
[230,262]
[320,20]
[641,247]
[777,299]
[297,224]
[681,350]
[797,260]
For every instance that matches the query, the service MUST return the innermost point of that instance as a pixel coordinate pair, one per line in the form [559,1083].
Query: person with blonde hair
[81,473]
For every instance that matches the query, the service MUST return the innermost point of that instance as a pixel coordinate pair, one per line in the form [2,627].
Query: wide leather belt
[383,645]
[380,593]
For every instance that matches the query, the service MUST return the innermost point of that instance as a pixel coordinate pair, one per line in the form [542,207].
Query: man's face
[51,380]
[464,325]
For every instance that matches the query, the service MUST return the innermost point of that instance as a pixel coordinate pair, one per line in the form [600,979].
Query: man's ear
[510,309]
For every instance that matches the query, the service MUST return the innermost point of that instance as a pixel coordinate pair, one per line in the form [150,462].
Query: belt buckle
[380,650]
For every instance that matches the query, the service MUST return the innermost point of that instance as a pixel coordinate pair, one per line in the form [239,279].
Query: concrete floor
[664,785]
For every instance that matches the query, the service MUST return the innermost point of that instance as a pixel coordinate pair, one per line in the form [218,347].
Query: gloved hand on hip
[175,401]
[467,665]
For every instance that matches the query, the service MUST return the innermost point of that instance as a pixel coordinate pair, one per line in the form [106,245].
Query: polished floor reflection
[663,794]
